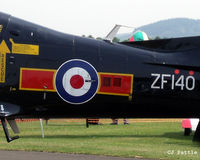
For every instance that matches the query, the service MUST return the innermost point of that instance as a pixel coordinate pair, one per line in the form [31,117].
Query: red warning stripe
[37,79]
[33,79]
[116,84]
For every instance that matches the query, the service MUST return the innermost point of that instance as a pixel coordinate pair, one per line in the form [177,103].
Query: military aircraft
[48,74]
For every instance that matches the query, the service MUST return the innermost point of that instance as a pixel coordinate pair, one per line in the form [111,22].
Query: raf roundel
[76,81]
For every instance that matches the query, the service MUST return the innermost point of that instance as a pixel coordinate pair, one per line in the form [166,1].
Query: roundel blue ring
[59,85]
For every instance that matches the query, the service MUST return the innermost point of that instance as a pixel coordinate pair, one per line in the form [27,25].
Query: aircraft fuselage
[132,81]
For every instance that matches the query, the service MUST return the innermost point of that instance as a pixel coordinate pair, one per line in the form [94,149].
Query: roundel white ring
[76,81]
[68,76]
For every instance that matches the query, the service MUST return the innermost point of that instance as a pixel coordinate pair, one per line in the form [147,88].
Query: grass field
[159,139]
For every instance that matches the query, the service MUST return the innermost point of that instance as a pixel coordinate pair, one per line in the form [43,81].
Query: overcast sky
[98,17]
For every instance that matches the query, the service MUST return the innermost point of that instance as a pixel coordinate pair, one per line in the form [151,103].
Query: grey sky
[97,17]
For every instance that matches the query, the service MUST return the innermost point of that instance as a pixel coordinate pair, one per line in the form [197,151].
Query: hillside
[178,27]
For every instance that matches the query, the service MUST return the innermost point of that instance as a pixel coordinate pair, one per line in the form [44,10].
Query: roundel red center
[77,81]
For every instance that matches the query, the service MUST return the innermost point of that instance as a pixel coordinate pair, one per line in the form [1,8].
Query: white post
[42,129]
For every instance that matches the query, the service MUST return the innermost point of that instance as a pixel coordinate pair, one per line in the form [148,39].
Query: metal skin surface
[145,60]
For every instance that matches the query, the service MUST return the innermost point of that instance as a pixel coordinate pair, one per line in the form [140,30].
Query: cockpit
[139,39]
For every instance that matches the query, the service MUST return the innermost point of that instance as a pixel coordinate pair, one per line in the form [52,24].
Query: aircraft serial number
[163,81]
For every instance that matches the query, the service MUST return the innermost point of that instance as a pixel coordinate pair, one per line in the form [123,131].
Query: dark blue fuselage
[166,78]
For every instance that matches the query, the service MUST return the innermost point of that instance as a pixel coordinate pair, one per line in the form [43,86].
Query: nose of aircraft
[4,18]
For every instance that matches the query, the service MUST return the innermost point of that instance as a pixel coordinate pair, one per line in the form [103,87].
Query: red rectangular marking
[116,84]
[37,79]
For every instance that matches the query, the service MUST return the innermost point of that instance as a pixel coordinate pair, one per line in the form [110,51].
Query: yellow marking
[29,49]
[115,74]
[1,28]
[31,89]
[130,97]
[14,89]
[20,79]
[3,50]
[132,76]
[36,69]
[114,94]
[99,79]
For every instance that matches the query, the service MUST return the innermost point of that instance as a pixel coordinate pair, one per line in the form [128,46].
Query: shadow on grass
[65,125]
[177,135]
[173,135]
[179,138]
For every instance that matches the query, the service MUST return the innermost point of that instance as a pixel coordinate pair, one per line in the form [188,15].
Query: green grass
[160,140]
